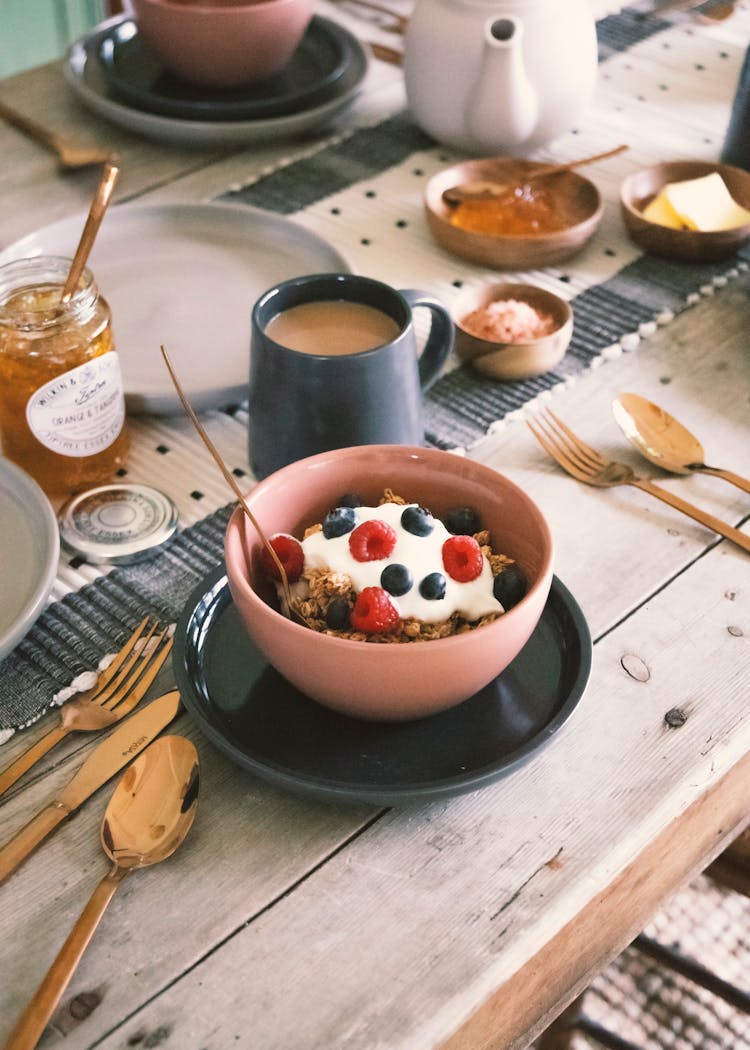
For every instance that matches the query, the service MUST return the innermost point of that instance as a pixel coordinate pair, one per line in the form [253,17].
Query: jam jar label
[80,412]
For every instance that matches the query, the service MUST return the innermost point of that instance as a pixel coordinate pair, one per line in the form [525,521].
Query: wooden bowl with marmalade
[495,212]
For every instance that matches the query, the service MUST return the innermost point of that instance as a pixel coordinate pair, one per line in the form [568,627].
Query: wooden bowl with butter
[691,193]
[534,222]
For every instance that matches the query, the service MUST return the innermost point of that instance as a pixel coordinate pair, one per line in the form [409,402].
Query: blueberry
[462,521]
[350,499]
[509,587]
[396,579]
[417,521]
[337,614]
[432,587]
[338,522]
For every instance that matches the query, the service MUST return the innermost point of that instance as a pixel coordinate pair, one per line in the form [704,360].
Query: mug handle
[439,340]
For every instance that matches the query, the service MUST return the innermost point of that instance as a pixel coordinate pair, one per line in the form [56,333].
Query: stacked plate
[113,73]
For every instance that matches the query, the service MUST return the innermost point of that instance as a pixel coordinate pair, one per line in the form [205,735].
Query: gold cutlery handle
[727,475]
[29,837]
[703,517]
[30,127]
[30,757]
[33,1020]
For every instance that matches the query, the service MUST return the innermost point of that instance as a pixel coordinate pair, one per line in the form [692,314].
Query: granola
[393,573]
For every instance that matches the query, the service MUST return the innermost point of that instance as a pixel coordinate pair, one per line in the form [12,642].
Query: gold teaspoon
[661,439]
[150,813]
[91,228]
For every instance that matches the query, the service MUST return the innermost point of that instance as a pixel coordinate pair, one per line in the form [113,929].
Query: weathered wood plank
[396,940]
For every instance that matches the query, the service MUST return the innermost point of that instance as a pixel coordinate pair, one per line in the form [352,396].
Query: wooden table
[290,924]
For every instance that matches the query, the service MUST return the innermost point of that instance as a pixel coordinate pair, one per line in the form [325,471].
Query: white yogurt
[421,554]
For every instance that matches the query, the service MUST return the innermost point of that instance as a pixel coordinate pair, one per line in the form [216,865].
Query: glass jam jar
[62,406]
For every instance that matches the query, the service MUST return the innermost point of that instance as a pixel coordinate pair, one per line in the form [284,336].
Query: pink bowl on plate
[222,45]
[388,682]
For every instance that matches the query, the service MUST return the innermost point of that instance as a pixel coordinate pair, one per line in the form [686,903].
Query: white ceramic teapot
[499,76]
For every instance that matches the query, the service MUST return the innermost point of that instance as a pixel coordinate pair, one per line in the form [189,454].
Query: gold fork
[587,465]
[68,156]
[117,691]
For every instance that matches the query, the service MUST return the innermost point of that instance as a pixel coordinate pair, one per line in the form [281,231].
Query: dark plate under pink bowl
[271,730]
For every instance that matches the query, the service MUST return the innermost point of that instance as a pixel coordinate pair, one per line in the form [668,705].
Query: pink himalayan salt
[508,321]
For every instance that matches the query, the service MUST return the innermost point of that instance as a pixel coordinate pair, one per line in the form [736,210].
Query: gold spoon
[662,440]
[485,189]
[232,482]
[69,157]
[91,228]
[148,816]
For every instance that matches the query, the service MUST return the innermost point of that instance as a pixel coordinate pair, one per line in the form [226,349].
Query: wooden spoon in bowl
[485,189]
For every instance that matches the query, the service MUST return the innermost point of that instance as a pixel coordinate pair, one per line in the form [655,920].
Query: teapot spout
[502,108]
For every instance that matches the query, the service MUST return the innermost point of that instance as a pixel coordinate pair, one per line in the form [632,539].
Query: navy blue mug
[313,387]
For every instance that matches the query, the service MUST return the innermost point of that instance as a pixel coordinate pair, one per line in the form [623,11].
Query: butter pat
[697,204]
[662,212]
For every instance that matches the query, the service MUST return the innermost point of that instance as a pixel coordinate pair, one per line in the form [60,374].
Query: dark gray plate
[322,66]
[269,728]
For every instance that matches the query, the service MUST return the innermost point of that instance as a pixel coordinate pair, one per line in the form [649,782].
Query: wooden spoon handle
[553,169]
[481,189]
[727,475]
[30,757]
[33,1020]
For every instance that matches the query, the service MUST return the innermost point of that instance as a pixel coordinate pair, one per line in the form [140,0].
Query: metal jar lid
[117,524]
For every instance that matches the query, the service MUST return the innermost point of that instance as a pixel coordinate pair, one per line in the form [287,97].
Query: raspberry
[374,611]
[290,554]
[462,558]
[372,541]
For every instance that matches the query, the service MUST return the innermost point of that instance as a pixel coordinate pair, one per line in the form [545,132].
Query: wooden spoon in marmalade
[487,189]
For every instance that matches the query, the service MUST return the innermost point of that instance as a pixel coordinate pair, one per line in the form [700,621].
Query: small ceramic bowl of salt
[511,331]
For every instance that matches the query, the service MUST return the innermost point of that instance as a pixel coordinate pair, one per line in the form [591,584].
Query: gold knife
[108,758]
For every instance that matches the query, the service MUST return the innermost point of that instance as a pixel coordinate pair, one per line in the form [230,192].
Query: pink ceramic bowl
[388,682]
[222,45]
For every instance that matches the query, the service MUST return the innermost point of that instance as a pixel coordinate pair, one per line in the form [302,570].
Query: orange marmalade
[62,407]
[519,211]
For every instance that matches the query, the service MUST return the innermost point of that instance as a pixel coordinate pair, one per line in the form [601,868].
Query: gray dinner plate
[29,552]
[186,276]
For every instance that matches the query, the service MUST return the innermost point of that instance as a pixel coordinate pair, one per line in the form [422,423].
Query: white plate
[29,552]
[187,276]
[84,74]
